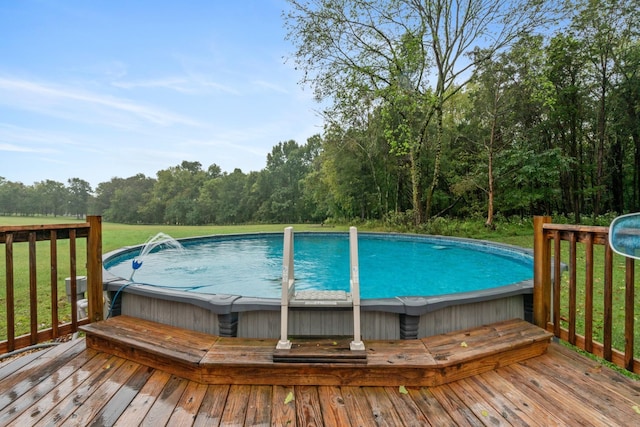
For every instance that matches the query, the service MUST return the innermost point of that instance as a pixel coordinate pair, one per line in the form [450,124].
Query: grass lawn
[119,235]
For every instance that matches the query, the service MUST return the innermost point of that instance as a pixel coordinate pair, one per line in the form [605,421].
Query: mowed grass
[118,235]
[114,236]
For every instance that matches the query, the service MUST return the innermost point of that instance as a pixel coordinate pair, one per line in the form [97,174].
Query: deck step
[211,359]
[322,349]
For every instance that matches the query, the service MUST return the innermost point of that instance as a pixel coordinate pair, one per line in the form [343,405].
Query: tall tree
[229,191]
[79,196]
[600,23]
[492,103]
[176,192]
[52,197]
[627,105]
[565,65]
[124,200]
[351,50]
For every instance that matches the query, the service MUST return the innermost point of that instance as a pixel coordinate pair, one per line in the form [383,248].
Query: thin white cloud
[55,96]
[219,87]
[270,86]
[22,149]
[171,83]
[18,134]
[192,84]
[227,142]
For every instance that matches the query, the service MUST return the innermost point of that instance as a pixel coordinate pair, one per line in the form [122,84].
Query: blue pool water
[391,265]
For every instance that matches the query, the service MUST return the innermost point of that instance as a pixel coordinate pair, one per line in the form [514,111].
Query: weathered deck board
[146,397]
[163,406]
[283,414]
[430,406]
[91,405]
[93,388]
[76,396]
[384,412]
[358,406]
[605,378]
[308,405]
[188,404]
[514,405]
[259,408]
[212,406]
[334,410]
[587,392]
[21,381]
[544,388]
[30,406]
[456,408]
[235,409]
[406,407]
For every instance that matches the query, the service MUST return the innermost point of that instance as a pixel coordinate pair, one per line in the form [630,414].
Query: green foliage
[540,124]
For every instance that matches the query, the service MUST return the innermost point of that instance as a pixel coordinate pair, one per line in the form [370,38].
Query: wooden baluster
[33,287]
[557,280]
[629,311]
[53,249]
[608,303]
[572,288]
[11,319]
[588,297]
[73,272]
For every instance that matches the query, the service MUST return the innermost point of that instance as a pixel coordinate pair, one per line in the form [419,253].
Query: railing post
[94,269]
[541,273]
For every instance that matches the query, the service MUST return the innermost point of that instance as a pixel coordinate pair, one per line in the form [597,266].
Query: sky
[113,88]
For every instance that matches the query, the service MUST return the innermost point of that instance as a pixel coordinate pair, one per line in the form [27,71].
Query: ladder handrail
[288,276]
[289,292]
[288,287]
[354,282]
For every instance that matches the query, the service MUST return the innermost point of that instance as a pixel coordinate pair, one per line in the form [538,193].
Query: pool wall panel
[266,324]
[173,313]
[463,316]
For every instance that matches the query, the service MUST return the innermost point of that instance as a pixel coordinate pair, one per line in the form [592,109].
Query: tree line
[434,110]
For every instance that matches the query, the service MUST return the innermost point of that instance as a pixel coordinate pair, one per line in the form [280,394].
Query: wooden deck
[74,385]
[210,359]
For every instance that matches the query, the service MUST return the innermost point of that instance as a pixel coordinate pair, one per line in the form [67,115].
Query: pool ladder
[313,298]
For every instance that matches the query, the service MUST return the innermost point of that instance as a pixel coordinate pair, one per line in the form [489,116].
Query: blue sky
[111,88]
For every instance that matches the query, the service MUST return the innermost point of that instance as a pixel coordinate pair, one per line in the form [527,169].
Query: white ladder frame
[289,292]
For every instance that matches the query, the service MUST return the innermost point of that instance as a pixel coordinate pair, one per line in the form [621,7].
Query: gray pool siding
[376,325]
[173,313]
[266,324]
[459,317]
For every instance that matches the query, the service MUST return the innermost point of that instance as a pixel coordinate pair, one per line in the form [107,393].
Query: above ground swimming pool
[390,265]
[236,276]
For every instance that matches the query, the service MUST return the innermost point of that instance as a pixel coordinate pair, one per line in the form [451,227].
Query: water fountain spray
[157,241]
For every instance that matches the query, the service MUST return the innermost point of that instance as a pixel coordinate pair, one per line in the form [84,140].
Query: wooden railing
[14,238]
[557,307]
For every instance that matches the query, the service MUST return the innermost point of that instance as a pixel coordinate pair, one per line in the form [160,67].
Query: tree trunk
[436,160]
[415,187]
[489,222]
[635,203]
[617,181]
[601,141]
